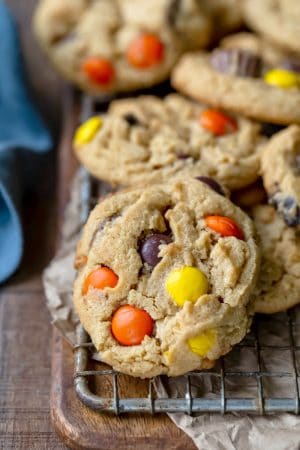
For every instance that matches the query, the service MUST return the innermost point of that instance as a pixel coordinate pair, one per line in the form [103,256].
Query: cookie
[164,278]
[278,286]
[238,78]
[149,140]
[280,166]
[277,20]
[107,46]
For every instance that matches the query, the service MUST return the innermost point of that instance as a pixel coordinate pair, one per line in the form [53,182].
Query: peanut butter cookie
[107,46]
[165,275]
[148,140]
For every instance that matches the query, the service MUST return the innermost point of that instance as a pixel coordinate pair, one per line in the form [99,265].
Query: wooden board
[78,426]
[25,335]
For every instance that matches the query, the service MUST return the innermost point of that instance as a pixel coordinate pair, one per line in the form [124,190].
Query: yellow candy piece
[168,355]
[203,343]
[186,285]
[282,78]
[87,131]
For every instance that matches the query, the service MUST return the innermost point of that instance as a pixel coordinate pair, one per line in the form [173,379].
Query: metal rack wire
[272,384]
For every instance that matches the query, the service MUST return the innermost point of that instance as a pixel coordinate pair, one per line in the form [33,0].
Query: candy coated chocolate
[150,248]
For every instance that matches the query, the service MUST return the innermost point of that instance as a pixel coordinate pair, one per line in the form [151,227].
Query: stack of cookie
[205,226]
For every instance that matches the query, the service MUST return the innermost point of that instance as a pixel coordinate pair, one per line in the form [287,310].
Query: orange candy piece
[130,325]
[99,70]
[224,226]
[99,279]
[145,51]
[217,122]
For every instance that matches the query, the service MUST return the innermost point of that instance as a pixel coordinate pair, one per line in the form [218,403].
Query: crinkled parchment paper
[208,431]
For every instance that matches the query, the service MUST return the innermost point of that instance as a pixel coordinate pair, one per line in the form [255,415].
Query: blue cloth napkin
[20,129]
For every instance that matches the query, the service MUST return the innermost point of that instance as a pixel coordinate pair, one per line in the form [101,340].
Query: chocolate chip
[149,249]
[269,129]
[291,64]
[132,120]
[288,207]
[237,62]
[183,155]
[212,184]
[172,12]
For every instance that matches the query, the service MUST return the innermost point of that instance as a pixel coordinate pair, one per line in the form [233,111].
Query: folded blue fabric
[20,128]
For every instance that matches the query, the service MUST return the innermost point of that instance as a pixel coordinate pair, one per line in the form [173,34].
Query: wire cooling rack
[260,375]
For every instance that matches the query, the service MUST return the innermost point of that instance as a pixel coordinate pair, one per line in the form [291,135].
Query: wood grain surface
[25,330]
[82,428]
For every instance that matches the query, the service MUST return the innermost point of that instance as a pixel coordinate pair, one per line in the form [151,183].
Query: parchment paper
[208,431]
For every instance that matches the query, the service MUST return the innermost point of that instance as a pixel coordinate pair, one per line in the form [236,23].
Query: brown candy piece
[237,62]
[149,249]
[182,155]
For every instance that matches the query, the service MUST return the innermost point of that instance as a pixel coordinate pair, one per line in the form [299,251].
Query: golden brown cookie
[277,20]
[237,77]
[107,46]
[278,284]
[166,273]
[148,140]
[280,168]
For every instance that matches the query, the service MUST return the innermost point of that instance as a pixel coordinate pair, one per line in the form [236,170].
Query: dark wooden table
[25,330]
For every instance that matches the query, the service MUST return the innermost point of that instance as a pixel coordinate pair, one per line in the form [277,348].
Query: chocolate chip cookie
[150,140]
[281,173]
[107,46]
[244,77]
[278,285]
[277,20]
[164,278]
